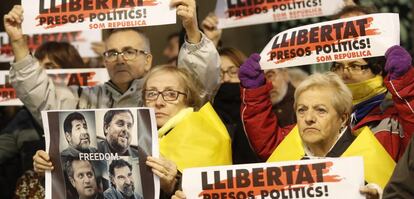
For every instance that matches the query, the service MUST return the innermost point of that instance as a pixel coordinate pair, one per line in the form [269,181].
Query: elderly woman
[323,105]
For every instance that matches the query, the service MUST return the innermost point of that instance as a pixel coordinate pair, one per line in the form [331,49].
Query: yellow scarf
[367,89]
[378,164]
[196,139]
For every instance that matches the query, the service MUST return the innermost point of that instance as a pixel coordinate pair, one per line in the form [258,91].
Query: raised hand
[186,10]
[250,73]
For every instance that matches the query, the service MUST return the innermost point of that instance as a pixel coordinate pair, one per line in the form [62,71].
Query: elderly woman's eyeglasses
[128,54]
[232,71]
[351,68]
[167,95]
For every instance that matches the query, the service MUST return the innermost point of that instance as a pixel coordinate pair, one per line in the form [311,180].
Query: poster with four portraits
[101,153]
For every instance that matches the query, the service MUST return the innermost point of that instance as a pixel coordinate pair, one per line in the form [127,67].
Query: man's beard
[281,93]
[128,190]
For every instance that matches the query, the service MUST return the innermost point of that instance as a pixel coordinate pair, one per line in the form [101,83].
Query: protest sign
[81,40]
[336,178]
[234,13]
[342,39]
[97,152]
[73,15]
[68,77]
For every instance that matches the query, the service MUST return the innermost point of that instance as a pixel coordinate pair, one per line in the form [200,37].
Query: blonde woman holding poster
[190,133]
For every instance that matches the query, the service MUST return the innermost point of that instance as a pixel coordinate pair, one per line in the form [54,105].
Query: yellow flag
[290,148]
[378,164]
[200,139]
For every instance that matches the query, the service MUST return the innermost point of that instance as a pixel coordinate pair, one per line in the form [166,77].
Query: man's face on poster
[118,132]
[79,137]
[83,179]
[123,181]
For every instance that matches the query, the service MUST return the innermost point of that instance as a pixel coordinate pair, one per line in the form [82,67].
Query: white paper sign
[234,13]
[343,39]
[81,77]
[81,40]
[61,15]
[336,178]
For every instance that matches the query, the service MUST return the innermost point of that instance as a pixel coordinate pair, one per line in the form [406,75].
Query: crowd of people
[260,110]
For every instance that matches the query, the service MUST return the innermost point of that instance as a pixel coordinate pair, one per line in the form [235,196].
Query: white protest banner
[235,13]
[343,39]
[62,15]
[81,77]
[81,40]
[336,178]
[94,152]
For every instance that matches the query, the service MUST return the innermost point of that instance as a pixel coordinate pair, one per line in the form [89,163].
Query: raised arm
[33,87]
[198,54]
[259,121]
[400,83]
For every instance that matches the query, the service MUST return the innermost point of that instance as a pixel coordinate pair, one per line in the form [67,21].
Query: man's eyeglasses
[232,71]
[167,95]
[128,54]
[351,68]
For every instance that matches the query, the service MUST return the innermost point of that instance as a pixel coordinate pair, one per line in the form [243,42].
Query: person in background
[281,95]
[55,55]
[23,135]
[172,49]
[227,104]
[382,90]
[401,182]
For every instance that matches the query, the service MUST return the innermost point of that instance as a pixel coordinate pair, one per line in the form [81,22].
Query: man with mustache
[77,136]
[82,177]
[281,95]
[120,173]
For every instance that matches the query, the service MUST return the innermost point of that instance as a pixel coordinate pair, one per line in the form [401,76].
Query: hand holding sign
[166,170]
[210,28]
[13,26]
[186,10]
[13,23]
[398,61]
[250,74]
[41,162]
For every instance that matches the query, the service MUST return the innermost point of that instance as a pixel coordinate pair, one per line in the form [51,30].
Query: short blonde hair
[192,87]
[341,95]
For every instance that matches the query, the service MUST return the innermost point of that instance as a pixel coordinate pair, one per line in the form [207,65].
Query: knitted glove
[398,61]
[250,74]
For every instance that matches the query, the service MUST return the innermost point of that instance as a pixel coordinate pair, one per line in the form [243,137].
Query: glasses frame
[222,72]
[162,94]
[117,53]
[341,70]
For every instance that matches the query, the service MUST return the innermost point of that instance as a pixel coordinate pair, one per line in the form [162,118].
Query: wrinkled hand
[13,23]
[398,61]
[41,162]
[186,10]
[250,73]
[369,192]
[210,29]
[178,195]
[166,170]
